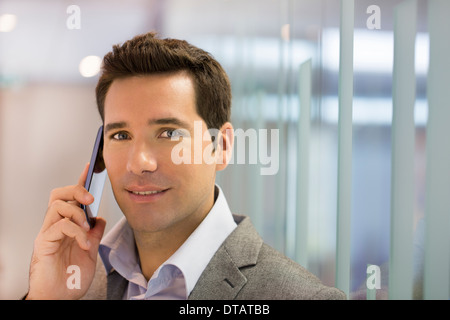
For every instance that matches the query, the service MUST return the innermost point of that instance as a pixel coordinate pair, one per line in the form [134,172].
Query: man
[178,238]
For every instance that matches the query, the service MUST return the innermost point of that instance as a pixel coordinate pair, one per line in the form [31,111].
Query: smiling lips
[145,194]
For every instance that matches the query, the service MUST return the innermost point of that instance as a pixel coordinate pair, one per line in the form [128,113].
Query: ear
[225,146]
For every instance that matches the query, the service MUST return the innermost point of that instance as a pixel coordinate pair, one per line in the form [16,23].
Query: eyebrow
[160,121]
[115,125]
[174,121]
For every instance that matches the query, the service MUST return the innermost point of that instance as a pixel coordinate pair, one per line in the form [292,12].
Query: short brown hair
[146,54]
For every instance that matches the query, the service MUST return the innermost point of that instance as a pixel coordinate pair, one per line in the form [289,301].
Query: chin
[148,220]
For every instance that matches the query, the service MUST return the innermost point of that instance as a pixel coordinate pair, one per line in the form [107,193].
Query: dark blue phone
[95,180]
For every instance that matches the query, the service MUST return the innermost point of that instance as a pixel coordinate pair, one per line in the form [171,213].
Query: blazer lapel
[222,278]
[115,286]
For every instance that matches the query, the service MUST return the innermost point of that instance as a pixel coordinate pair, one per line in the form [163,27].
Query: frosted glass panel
[344,195]
[403,137]
[303,156]
[437,216]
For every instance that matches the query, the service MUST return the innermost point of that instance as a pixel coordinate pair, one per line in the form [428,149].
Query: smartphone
[95,180]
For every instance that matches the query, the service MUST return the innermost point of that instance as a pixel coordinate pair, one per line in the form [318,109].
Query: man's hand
[65,239]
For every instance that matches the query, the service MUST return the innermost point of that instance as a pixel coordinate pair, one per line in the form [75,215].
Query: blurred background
[283,59]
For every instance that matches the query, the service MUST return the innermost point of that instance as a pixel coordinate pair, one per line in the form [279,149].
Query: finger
[60,210]
[71,193]
[96,233]
[82,179]
[65,193]
[66,228]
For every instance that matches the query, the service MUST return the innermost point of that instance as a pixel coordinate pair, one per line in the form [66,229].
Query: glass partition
[339,110]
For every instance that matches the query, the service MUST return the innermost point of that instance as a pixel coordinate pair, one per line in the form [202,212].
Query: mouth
[143,195]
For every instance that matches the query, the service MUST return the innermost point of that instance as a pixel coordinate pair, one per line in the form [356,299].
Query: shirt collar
[118,250]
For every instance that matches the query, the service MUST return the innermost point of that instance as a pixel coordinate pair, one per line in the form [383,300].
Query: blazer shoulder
[275,276]
[269,273]
[246,268]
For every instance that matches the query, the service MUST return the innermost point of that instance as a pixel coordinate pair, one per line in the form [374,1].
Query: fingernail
[86,225]
[88,243]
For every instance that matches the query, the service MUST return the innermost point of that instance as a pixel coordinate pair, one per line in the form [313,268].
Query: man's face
[141,116]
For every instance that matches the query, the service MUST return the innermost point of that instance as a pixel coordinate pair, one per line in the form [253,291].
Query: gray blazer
[244,267]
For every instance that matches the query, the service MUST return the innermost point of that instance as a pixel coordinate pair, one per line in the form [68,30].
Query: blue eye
[120,136]
[172,133]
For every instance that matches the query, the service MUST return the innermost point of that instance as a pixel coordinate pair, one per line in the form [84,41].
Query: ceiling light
[90,66]
[8,22]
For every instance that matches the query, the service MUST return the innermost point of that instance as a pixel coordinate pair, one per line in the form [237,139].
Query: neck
[155,248]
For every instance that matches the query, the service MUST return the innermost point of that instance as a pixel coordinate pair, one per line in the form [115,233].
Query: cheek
[195,175]
[115,163]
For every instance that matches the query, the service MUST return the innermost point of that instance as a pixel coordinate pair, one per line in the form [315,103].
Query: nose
[141,159]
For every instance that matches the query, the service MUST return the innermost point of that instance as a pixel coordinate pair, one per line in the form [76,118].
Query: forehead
[150,95]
